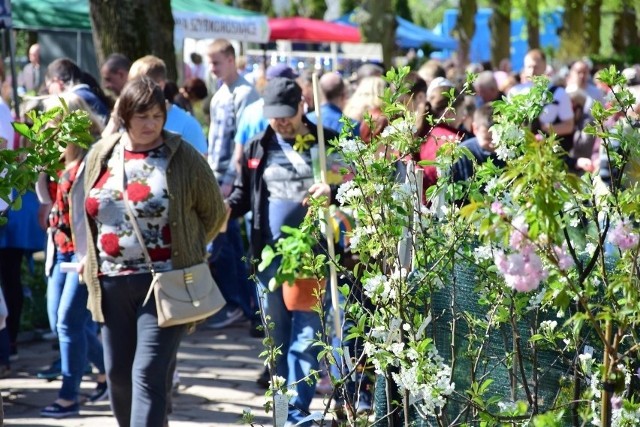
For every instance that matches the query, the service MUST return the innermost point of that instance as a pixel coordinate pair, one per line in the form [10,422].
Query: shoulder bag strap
[134,221]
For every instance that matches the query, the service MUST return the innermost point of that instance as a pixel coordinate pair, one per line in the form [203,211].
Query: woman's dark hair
[94,86]
[173,95]
[196,88]
[170,90]
[140,95]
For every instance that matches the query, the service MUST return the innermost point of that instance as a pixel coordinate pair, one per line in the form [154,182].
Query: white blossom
[347,192]
[352,146]
[483,253]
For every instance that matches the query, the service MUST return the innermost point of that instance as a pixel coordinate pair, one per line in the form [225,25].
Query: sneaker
[100,393]
[52,372]
[58,411]
[225,317]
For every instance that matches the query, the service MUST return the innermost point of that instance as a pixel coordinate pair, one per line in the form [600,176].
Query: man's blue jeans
[295,332]
[230,270]
[77,333]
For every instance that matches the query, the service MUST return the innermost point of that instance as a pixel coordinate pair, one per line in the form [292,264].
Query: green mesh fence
[461,299]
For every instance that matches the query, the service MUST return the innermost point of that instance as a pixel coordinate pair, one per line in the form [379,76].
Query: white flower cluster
[352,147]
[505,137]
[430,393]
[483,253]
[548,326]
[348,192]
[401,127]
[379,288]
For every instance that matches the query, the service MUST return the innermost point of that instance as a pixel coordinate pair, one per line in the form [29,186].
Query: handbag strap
[133,219]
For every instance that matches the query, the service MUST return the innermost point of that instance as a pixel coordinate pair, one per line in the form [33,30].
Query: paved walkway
[217,369]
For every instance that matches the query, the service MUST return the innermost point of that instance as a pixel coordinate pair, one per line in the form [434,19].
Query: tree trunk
[377,24]
[532,14]
[142,27]
[465,28]
[573,43]
[625,30]
[500,24]
[594,21]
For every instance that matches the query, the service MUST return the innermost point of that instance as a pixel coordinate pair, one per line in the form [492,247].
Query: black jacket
[249,190]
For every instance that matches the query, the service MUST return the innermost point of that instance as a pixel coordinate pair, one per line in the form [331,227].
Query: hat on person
[438,83]
[280,70]
[282,97]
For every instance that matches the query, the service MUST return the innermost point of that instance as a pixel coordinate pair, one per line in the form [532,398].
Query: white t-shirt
[561,109]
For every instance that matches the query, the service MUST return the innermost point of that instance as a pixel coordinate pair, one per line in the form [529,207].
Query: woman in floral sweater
[178,206]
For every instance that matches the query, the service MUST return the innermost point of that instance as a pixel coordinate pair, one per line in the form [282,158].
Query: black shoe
[264,379]
[100,393]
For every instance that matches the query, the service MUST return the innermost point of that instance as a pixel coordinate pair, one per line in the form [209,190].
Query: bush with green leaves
[518,306]
[48,133]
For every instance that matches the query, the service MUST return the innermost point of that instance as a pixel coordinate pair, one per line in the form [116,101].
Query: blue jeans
[230,270]
[295,332]
[139,355]
[77,333]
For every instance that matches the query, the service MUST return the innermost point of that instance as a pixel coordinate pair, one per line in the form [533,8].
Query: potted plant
[300,268]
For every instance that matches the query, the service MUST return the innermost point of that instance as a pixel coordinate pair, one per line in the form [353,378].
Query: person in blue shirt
[481,146]
[334,92]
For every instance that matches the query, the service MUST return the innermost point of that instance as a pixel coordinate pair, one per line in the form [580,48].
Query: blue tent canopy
[410,35]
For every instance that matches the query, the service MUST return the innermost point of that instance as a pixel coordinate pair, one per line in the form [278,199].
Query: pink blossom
[501,261]
[565,261]
[496,208]
[522,272]
[519,234]
[623,236]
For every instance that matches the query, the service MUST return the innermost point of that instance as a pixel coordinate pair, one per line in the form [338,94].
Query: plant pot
[302,295]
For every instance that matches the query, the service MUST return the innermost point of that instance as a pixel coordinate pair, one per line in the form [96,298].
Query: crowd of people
[189,165]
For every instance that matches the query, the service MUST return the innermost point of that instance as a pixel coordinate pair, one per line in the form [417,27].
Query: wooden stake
[322,154]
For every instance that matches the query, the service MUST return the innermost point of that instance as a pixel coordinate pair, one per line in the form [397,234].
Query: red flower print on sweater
[159,254]
[92,205]
[138,192]
[166,234]
[111,244]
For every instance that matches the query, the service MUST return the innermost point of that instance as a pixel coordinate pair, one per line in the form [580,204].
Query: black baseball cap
[282,97]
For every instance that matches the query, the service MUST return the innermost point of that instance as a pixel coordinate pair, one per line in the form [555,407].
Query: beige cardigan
[196,209]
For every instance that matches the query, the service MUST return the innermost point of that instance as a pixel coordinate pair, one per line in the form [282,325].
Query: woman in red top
[446,122]
[66,296]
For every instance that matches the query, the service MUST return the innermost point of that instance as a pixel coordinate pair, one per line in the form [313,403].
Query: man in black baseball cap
[275,183]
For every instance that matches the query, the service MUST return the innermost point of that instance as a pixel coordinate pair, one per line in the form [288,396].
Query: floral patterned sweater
[119,251]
